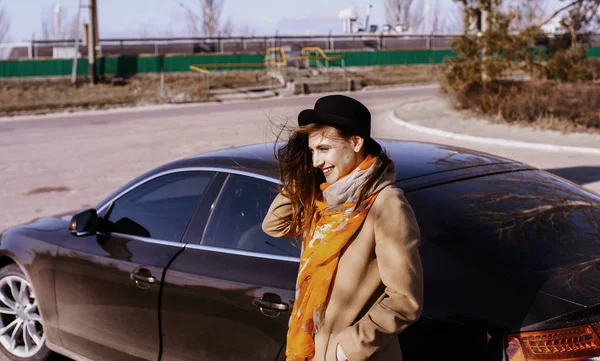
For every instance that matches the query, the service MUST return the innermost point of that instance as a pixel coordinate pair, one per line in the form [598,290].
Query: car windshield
[520,222]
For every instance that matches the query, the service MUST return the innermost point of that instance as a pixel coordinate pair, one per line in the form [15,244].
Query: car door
[229,297]
[107,285]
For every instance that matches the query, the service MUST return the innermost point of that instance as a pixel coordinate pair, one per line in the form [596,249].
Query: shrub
[549,104]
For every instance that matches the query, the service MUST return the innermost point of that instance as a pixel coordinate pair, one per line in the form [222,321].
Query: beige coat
[378,289]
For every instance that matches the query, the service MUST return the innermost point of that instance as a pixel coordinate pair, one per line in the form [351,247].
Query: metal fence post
[161,62]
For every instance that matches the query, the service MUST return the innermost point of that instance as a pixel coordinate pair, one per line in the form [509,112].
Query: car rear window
[527,221]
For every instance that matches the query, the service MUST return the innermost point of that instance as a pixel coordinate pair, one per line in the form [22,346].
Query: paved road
[50,164]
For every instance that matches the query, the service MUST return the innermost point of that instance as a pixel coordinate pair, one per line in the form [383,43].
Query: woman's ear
[357,143]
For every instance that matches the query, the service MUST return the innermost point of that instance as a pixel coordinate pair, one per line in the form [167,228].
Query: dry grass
[392,75]
[47,95]
[541,104]
[36,96]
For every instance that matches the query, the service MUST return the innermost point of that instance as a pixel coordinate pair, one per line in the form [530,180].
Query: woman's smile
[332,154]
[327,171]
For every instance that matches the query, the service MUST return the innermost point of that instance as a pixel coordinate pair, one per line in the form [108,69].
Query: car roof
[411,159]
[418,164]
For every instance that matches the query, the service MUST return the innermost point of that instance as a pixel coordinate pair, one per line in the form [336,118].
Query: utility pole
[92,41]
[76,46]
[482,23]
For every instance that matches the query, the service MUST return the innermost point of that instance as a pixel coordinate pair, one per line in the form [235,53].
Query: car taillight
[572,343]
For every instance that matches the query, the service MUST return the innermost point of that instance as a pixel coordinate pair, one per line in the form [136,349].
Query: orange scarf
[331,229]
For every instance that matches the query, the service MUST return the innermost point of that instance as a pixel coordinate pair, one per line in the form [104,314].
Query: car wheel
[22,334]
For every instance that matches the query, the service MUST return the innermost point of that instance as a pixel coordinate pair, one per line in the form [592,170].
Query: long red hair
[301,181]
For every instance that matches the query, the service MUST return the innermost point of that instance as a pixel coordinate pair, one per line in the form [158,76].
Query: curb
[495,141]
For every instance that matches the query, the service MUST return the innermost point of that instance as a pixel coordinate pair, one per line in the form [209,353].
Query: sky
[136,18]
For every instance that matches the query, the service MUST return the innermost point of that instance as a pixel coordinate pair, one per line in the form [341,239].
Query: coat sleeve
[397,239]
[277,222]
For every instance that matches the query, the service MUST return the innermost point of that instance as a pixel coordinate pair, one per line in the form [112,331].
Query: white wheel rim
[21,329]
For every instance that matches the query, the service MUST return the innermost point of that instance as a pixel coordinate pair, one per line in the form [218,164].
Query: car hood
[48,224]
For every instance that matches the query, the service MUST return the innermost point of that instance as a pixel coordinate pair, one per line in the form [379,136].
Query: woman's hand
[341,356]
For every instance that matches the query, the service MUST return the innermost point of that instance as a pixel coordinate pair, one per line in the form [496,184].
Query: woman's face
[333,155]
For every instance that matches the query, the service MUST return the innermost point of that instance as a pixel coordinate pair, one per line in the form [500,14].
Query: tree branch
[4,23]
[556,13]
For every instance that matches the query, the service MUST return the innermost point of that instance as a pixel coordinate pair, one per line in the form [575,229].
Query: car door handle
[275,306]
[142,279]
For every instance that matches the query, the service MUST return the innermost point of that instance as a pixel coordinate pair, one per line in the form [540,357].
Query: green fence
[21,68]
[129,65]
[181,63]
[398,57]
[594,52]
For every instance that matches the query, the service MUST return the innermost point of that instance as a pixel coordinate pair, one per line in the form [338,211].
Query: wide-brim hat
[341,112]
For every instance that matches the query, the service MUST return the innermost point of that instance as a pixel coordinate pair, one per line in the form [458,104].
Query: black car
[175,265]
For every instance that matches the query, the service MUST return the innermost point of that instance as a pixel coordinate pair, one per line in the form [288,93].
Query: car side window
[236,222]
[160,208]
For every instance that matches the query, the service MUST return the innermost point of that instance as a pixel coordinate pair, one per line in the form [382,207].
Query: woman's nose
[317,161]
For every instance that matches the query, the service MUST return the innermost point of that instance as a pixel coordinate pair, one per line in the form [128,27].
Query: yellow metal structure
[275,61]
[275,56]
[316,54]
[233,65]
[271,60]
[199,69]
[307,51]
[206,73]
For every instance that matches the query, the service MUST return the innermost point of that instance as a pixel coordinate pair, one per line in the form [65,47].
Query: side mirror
[84,223]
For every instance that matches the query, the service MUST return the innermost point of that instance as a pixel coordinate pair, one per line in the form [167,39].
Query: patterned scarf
[336,220]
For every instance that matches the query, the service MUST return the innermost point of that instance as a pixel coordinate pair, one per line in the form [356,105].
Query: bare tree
[455,22]
[413,15]
[439,22]
[580,17]
[403,12]
[531,12]
[448,19]
[4,23]
[203,17]
[211,15]
[393,10]
[228,28]
[527,13]
[193,20]
[56,24]
[589,13]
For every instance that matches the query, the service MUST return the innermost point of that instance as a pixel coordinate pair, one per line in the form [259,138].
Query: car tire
[23,338]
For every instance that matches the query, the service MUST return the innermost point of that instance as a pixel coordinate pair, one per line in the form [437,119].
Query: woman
[360,279]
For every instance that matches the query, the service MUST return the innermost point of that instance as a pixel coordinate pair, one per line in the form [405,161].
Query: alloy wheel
[21,329]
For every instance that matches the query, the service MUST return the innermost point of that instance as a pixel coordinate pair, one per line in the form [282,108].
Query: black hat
[339,111]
